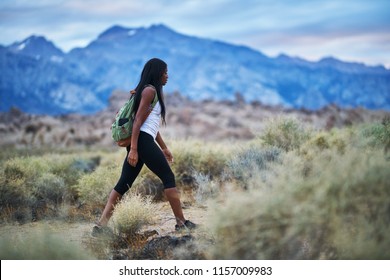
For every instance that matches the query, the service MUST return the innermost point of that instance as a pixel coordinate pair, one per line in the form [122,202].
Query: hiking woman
[144,149]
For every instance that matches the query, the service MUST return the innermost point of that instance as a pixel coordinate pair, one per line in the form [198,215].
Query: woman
[143,148]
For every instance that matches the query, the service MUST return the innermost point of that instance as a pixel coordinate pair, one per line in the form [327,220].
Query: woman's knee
[168,180]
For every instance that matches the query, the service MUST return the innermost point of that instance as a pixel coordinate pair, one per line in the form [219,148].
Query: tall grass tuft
[132,213]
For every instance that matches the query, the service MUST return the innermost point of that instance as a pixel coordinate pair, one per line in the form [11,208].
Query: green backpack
[122,127]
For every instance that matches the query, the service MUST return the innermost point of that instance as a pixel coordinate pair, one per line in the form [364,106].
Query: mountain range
[39,78]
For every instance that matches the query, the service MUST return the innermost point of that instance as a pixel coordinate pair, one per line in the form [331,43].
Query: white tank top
[152,123]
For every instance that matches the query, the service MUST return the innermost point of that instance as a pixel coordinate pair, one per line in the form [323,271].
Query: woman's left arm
[164,147]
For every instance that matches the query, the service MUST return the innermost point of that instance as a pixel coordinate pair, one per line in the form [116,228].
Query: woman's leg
[128,176]
[113,199]
[155,160]
[173,197]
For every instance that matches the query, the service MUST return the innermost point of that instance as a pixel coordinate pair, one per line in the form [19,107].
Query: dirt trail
[77,232]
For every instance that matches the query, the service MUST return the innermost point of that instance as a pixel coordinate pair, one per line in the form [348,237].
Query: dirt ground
[77,233]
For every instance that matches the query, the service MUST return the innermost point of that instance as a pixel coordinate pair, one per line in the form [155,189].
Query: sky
[350,30]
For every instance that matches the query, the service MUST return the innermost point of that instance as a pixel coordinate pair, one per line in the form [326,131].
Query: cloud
[306,28]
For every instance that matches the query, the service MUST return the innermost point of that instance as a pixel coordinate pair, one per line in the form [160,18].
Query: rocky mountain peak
[36,46]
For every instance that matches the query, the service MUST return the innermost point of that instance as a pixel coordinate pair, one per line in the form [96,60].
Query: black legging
[150,154]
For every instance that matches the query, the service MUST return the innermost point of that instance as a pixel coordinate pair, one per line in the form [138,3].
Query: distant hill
[220,121]
[37,77]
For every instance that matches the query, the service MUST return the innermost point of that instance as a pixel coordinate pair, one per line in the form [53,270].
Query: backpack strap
[155,100]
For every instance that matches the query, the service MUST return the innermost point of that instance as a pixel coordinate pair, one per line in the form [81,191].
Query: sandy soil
[78,232]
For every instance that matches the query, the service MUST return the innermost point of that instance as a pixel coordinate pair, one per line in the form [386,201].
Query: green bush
[377,134]
[46,180]
[285,133]
[93,188]
[17,186]
[196,156]
[336,140]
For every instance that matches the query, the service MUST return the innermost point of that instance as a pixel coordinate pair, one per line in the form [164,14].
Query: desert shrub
[71,168]
[250,161]
[17,186]
[93,188]
[133,212]
[377,135]
[50,188]
[14,202]
[41,245]
[368,135]
[25,168]
[336,139]
[12,191]
[206,188]
[194,156]
[39,180]
[285,133]
[338,208]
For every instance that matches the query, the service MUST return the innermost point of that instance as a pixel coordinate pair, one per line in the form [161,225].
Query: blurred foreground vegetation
[291,193]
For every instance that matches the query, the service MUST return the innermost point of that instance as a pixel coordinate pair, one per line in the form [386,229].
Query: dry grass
[132,213]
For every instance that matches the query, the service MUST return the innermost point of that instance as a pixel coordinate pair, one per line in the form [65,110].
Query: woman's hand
[132,157]
[168,155]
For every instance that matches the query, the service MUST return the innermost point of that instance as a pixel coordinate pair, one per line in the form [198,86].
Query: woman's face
[164,78]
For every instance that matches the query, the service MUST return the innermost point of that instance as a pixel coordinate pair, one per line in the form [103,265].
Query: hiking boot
[99,231]
[187,225]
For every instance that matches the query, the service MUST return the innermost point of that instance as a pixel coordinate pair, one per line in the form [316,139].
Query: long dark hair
[151,74]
